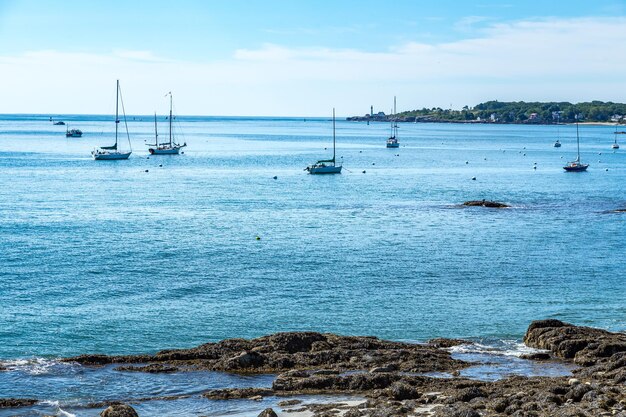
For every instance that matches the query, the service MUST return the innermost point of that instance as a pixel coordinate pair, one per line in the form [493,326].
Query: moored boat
[326,166]
[109,153]
[165,148]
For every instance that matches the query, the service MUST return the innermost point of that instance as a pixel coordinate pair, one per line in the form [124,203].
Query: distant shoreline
[482,122]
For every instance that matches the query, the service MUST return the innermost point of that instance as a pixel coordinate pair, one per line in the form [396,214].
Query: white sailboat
[109,153]
[615,145]
[326,166]
[165,148]
[392,142]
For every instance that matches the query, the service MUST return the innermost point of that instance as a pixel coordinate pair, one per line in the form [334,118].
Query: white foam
[513,348]
[32,366]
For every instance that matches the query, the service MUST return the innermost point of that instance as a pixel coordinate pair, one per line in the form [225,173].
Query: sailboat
[108,153]
[557,144]
[326,166]
[576,165]
[392,142]
[615,145]
[165,148]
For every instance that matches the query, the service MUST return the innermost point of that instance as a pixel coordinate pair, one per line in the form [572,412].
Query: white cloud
[551,59]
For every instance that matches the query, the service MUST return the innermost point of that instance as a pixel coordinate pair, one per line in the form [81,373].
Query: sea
[233,238]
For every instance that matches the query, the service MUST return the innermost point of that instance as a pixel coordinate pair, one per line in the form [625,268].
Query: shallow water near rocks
[109,258]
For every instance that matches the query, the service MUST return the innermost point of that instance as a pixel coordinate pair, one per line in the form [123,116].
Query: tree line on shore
[515,112]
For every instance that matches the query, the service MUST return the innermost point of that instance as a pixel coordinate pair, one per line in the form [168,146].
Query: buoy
[535,167]
[258,238]
[599,153]
[373,163]
[364,171]
[360,151]
[606,169]
[148,158]
[275,177]
[146,170]
[325,148]
[524,154]
[182,152]
[160,165]
[466,162]
[485,159]
[473,178]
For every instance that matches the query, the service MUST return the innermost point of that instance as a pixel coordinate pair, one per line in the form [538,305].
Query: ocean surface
[173,251]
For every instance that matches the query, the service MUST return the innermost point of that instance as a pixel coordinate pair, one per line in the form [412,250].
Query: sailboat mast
[156,134]
[395,122]
[577,140]
[333,135]
[117,120]
[170,119]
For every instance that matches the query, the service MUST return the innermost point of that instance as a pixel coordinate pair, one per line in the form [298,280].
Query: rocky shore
[391,377]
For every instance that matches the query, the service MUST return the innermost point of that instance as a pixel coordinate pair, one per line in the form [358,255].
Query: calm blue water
[105,257]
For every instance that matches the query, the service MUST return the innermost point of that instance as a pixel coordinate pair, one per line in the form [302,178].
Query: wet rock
[289,403]
[586,345]
[119,410]
[537,356]
[237,393]
[268,412]
[442,342]
[292,351]
[16,402]
[245,360]
[485,203]
[153,368]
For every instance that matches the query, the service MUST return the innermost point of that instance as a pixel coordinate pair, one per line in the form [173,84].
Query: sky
[302,58]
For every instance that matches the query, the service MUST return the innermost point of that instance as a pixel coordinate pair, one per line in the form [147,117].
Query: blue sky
[279,57]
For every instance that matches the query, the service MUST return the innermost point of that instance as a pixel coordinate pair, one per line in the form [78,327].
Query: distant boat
[59,123]
[392,142]
[557,144]
[73,133]
[108,153]
[576,165]
[615,145]
[326,166]
[165,148]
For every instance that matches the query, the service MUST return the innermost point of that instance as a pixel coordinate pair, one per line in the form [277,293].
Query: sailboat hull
[393,145]
[110,156]
[576,167]
[330,169]
[165,151]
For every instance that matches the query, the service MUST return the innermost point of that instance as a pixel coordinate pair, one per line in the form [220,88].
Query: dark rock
[485,203]
[577,392]
[268,412]
[16,402]
[400,391]
[236,393]
[153,368]
[468,394]
[289,403]
[119,410]
[442,342]
[586,345]
[537,356]
[456,411]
